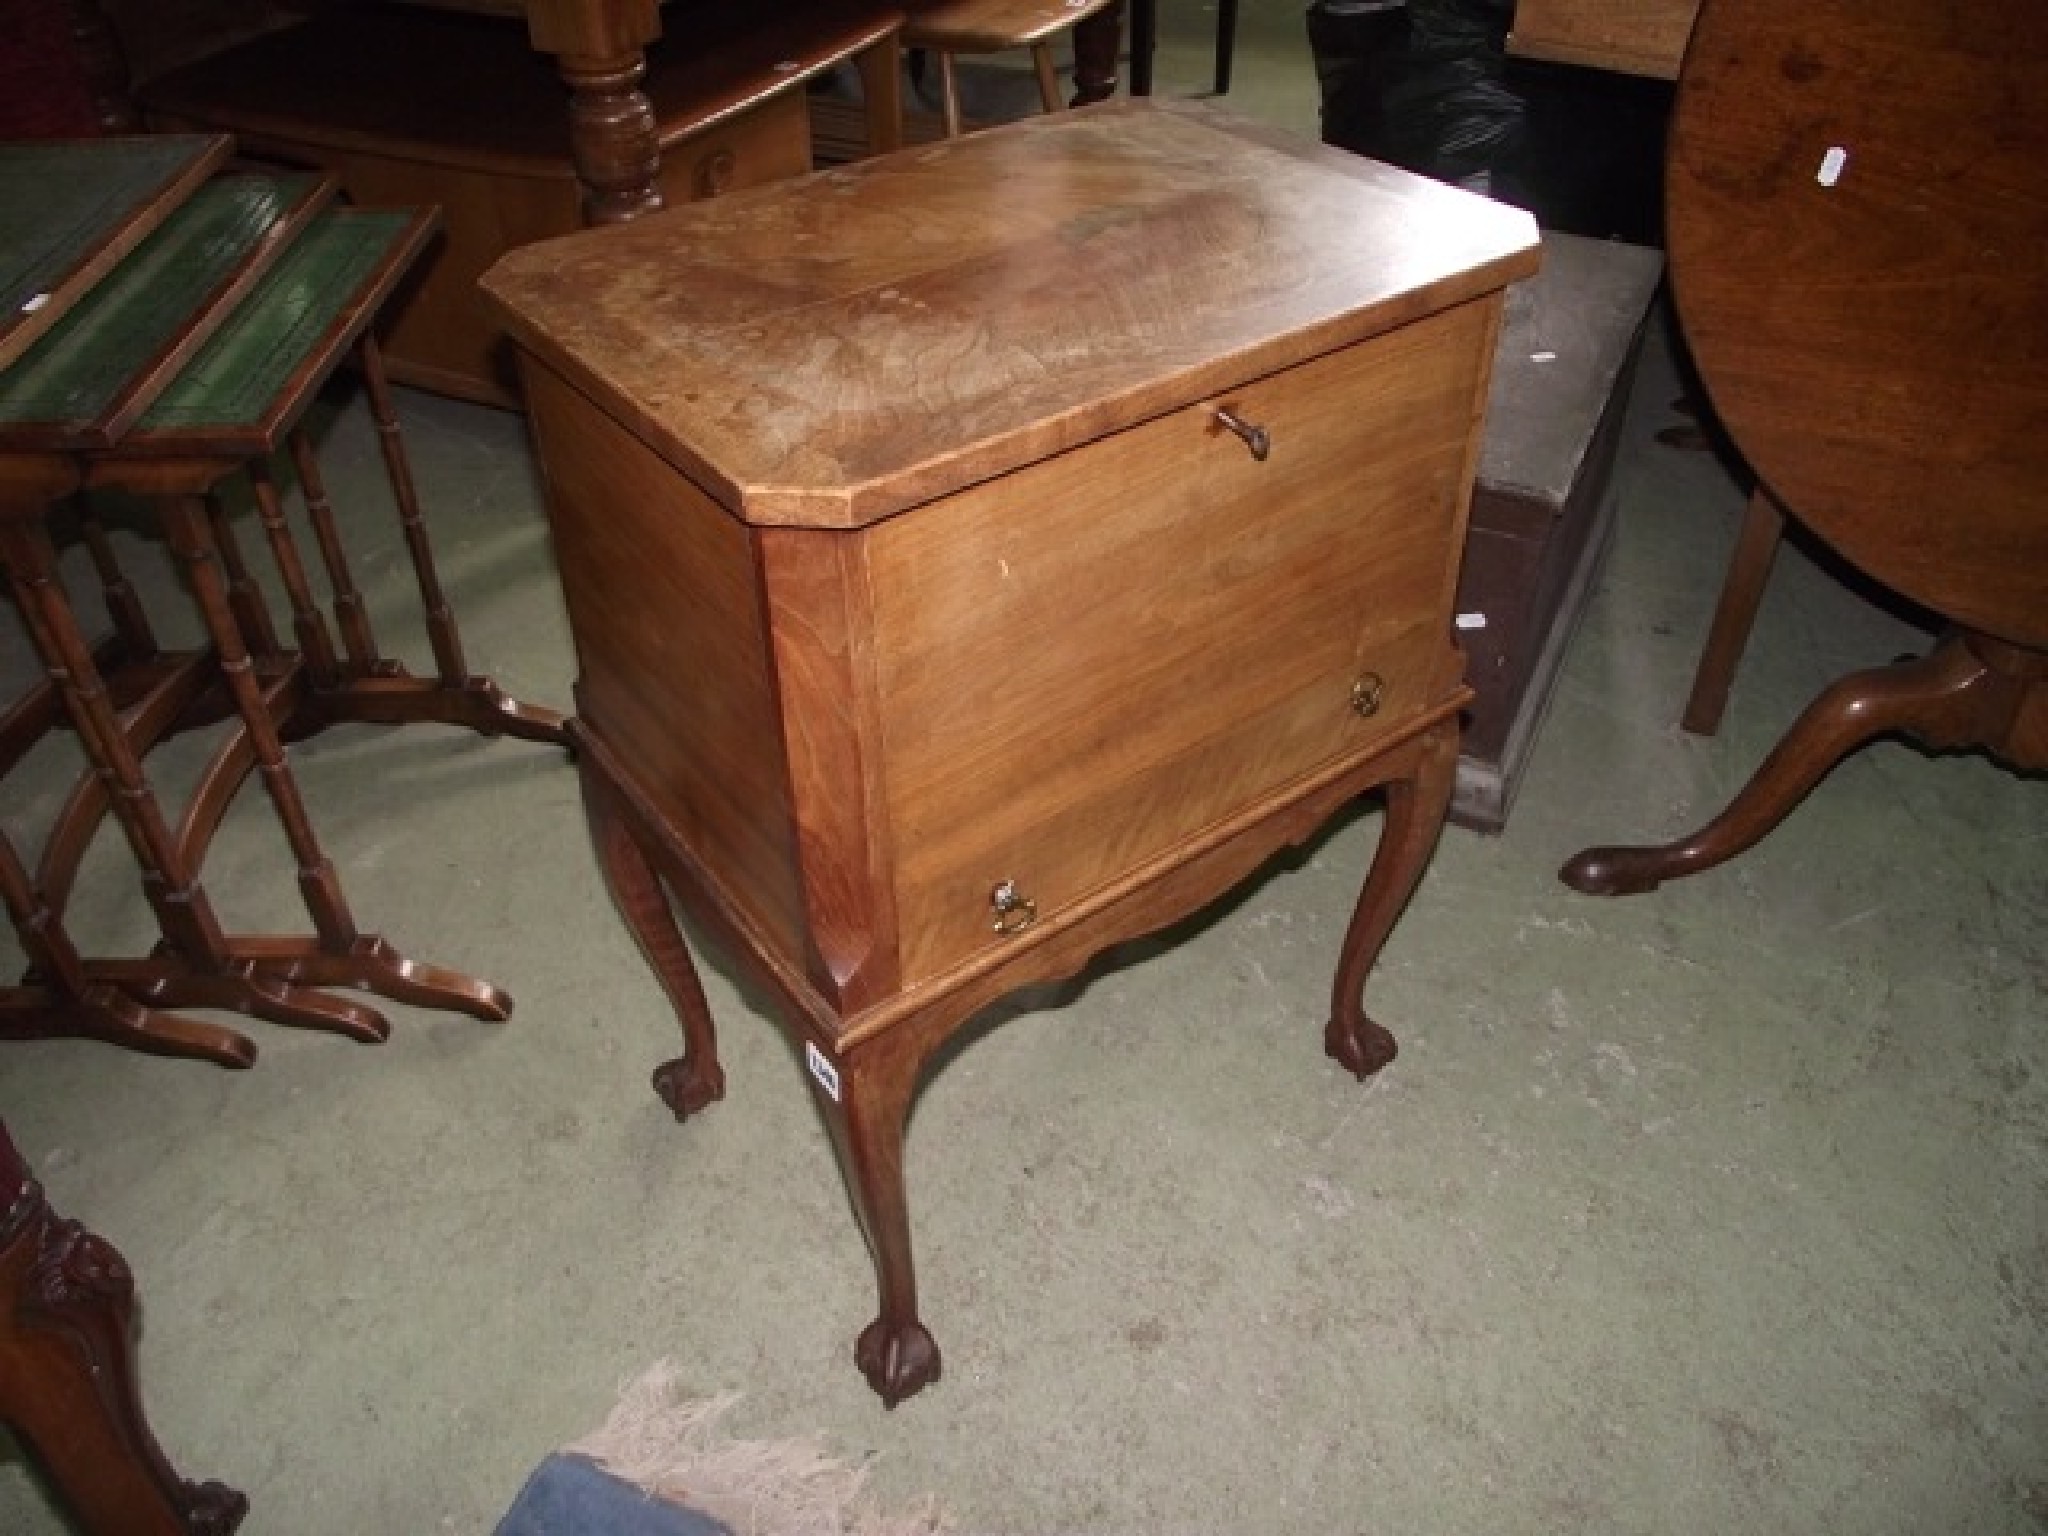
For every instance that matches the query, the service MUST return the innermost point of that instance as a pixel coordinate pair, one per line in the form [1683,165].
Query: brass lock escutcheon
[1366,695]
[1014,911]
[1255,437]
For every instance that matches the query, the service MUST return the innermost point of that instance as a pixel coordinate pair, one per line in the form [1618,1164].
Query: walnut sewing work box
[989,553]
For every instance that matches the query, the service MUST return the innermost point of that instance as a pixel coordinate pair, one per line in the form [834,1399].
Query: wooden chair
[954,27]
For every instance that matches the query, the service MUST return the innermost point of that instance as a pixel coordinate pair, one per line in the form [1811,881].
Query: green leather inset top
[77,371]
[60,203]
[240,373]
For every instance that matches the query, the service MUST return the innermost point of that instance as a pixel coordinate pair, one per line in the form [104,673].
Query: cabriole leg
[1414,818]
[865,1099]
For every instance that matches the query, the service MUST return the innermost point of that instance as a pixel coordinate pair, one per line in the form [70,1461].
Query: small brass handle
[1256,438]
[1014,912]
[1367,693]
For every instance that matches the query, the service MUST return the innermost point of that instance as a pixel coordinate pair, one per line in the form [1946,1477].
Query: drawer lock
[1014,911]
[1367,693]
[1256,438]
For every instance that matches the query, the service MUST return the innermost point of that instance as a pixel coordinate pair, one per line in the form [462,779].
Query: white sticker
[1471,621]
[823,1070]
[35,303]
[1542,357]
[1831,165]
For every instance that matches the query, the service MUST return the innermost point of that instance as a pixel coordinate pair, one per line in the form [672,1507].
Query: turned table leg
[68,1382]
[1953,697]
[600,49]
[1414,818]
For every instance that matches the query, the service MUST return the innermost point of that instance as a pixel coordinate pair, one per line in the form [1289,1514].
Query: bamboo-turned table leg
[198,967]
[59,999]
[338,954]
[68,1379]
[368,686]
[124,608]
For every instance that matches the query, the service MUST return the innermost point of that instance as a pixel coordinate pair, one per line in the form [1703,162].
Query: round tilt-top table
[1857,209]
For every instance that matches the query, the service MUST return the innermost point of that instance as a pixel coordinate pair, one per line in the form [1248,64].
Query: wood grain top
[827,351]
[1858,223]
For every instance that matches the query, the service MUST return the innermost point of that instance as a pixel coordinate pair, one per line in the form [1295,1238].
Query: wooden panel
[1093,659]
[1636,37]
[671,649]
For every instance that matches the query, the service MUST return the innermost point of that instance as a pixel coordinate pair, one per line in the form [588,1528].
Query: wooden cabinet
[984,555]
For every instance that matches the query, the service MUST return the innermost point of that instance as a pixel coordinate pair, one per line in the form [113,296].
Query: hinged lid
[826,351]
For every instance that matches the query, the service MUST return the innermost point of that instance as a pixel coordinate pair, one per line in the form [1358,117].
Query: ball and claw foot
[897,1359]
[687,1086]
[1360,1046]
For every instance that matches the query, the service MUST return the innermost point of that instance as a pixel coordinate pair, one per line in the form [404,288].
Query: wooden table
[187,363]
[1859,252]
[987,554]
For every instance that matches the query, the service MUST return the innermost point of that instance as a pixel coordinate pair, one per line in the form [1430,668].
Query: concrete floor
[1715,1210]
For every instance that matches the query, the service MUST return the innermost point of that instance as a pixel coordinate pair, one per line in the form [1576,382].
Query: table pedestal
[1970,691]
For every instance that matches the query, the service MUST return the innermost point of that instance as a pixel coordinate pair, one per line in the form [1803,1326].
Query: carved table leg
[1947,699]
[865,1099]
[694,1080]
[1414,819]
[68,1379]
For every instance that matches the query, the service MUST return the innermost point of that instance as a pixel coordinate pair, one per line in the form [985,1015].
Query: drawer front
[1085,663]
[768,142]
